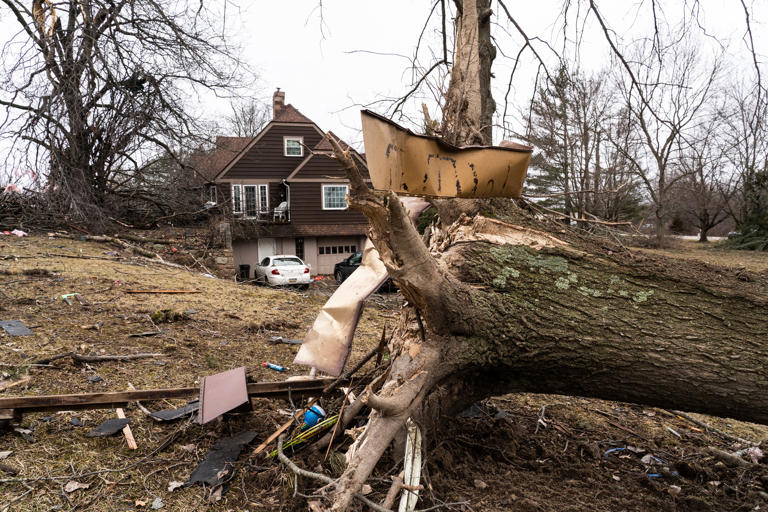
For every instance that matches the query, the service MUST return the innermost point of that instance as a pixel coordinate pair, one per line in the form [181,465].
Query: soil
[517,452]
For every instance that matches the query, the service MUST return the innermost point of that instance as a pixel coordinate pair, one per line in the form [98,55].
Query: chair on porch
[279,213]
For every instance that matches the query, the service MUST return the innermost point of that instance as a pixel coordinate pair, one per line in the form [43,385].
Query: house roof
[290,114]
[208,163]
[325,144]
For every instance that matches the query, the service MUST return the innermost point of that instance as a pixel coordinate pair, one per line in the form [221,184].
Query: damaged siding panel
[266,159]
[306,201]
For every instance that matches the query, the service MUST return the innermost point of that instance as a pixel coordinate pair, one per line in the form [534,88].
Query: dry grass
[224,330]
[711,252]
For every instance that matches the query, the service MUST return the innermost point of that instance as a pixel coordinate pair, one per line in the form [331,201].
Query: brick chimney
[278,102]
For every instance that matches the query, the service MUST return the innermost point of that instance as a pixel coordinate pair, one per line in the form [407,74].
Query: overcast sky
[321,66]
[315,64]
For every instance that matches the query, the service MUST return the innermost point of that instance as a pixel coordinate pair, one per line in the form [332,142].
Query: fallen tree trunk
[501,301]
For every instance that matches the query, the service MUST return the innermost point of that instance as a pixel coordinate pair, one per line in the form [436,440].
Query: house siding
[306,207]
[322,165]
[265,160]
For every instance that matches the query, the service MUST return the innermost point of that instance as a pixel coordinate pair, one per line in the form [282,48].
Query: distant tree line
[678,142]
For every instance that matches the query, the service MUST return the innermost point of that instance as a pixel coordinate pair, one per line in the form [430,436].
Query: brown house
[287,194]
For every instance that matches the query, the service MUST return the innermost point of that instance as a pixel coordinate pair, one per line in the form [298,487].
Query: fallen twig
[317,476]
[95,359]
[707,426]
[9,385]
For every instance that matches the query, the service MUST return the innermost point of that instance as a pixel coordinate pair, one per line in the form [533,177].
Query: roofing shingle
[289,114]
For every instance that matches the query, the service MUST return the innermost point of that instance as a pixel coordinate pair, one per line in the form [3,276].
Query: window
[264,262]
[333,249]
[293,146]
[355,259]
[237,202]
[334,197]
[354,249]
[322,250]
[287,261]
[256,199]
[210,194]
[263,199]
[251,206]
[300,248]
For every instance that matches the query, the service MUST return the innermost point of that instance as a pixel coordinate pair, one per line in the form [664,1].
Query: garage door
[266,247]
[332,250]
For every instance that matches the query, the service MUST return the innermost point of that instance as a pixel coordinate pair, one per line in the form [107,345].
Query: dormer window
[294,146]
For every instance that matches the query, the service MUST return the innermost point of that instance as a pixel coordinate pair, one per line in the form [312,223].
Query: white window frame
[300,140]
[212,197]
[346,193]
[237,208]
[262,206]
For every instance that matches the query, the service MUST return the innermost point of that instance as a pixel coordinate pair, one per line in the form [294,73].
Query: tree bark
[469,105]
[501,301]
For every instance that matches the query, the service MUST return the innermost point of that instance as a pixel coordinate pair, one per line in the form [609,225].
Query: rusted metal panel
[411,164]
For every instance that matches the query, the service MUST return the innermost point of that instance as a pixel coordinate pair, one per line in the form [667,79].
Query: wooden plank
[161,291]
[111,400]
[127,432]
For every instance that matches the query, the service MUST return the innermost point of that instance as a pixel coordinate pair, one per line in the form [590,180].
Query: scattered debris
[127,432]
[312,416]
[109,427]
[411,466]
[674,490]
[19,233]
[67,297]
[157,503]
[73,486]
[147,334]
[479,484]
[221,393]
[93,379]
[675,432]
[280,339]
[366,490]
[217,467]
[173,485]
[76,422]
[272,366]
[175,414]
[15,328]
[5,455]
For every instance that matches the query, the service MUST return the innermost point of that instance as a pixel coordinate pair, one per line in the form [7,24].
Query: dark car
[344,268]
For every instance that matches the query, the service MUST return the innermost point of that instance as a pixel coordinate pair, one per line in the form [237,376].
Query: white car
[282,270]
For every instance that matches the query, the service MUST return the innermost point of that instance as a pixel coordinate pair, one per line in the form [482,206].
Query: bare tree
[665,98]
[248,117]
[96,90]
[708,183]
[745,119]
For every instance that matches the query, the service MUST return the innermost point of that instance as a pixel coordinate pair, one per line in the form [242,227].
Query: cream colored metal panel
[412,164]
